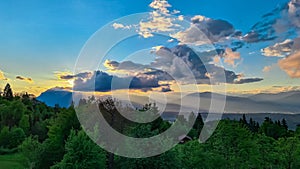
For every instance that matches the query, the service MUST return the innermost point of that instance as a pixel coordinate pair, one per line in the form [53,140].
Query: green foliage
[11,138]
[289,152]
[52,150]
[236,144]
[11,113]
[4,134]
[81,153]
[40,129]
[15,137]
[24,124]
[30,148]
[196,155]
[273,129]
[55,139]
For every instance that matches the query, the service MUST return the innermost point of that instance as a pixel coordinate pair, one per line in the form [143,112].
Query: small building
[183,139]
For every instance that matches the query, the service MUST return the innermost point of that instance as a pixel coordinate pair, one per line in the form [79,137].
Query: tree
[267,153]
[236,144]
[81,153]
[24,124]
[284,124]
[198,125]
[11,113]
[244,120]
[15,137]
[289,150]
[30,148]
[52,149]
[7,93]
[3,136]
[271,129]
[200,156]
[165,160]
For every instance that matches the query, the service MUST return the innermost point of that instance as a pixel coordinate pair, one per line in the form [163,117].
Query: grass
[12,161]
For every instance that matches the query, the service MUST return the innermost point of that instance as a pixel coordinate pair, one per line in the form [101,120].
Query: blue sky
[39,38]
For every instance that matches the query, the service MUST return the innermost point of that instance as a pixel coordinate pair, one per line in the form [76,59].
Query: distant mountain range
[285,102]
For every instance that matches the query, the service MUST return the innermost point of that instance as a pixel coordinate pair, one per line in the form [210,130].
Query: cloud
[181,17]
[180,64]
[253,37]
[290,50]
[181,61]
[279,49]
[278,89]
[66,76]
[230,56]
[166,89]
[125,67]
[282,23]
[247,80]
[26,79]
[102,82]
[120,26]
[205,31]
[291,65]
[289,18]
[2,76]
[160,19]
[267,69]
[192,35]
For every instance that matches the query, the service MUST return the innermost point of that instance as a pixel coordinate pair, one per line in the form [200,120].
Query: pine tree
[284,124]
[7,93]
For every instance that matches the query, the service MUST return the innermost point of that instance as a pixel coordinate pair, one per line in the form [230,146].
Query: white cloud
[279,49]
[199,18]
[120,26]
[160,19]
[161,5]
[181,17]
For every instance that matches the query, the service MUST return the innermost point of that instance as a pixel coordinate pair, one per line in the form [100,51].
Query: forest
[34,135]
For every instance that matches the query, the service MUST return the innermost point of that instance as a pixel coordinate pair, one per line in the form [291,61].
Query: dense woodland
[52,137]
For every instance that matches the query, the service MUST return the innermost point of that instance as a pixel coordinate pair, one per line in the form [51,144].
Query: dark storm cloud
[102,82]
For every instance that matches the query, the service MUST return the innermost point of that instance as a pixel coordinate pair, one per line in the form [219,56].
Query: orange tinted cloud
[230,56]
[267,69]
[291,65]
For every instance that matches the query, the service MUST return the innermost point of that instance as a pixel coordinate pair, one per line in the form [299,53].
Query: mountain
[291,98]
[285,102]
[288,103]
[56,95]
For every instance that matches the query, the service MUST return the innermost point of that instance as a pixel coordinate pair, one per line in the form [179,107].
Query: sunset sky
[41,41]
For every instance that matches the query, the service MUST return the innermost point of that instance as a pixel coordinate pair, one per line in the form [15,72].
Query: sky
[41,41]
